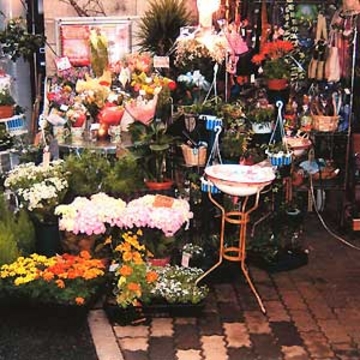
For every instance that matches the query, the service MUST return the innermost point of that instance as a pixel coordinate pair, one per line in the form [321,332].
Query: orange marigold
[151,276]
[85,255]
[132,286]
[79,300]
[47,276]
[127,256]
[125,270]
[60,284]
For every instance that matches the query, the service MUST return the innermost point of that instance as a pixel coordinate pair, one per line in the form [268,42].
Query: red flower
[172,85]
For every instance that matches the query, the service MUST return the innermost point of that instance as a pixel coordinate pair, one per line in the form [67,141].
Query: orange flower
[60,284]
[137,258]
[79,300]
[127,256]
[85,255]
[47,276]
[125,270]
[135,287]
[151,276]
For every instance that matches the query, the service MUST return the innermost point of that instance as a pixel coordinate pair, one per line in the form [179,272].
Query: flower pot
[159,261]
[74,244]
[277,84]
[6,111]
[156,186]
[47,238]
[261,128]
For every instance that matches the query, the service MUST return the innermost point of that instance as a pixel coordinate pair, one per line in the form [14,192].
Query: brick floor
[313,313]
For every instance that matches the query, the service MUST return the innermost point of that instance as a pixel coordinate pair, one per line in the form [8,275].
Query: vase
[156,186]
[77,135]
[6,111]
[277,84]
[47,238]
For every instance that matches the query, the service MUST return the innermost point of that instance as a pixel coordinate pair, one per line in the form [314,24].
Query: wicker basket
[194,156]
[325,123]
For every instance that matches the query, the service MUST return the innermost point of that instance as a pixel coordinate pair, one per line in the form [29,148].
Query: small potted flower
[275,60]
[261,117]
[7,104]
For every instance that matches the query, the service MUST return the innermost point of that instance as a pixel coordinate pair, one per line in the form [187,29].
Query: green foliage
[6,97]
[17,236]
[17,42]
[160,25]
[86,172]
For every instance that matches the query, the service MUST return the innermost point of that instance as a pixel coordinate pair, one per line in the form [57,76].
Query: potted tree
[152,146]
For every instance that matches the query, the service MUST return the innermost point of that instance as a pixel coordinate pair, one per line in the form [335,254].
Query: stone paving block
[134,343]
[292,299]
[334,331]
[214,347]
[131,331]
[267,291]
[294,353]
[210,324]
[286,333]
[283,281]
[317,345]
[266,347]
[211,302]
[276,311]
[243,353]
[188,355]
[321,310]
[161,348]
[309,291]
[256,322]
[230,312]
[161,327]
[236,335]
[186,337]
[134,355]
[259,275]
[225,293]
[346,351]
[303,320]
[185,321]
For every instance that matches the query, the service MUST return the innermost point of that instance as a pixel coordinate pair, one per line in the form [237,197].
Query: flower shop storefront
[142,157]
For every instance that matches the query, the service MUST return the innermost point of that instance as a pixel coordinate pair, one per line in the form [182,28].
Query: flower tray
[140,314]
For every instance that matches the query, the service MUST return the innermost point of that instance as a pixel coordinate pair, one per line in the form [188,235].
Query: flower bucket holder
[214,124]
[281,158]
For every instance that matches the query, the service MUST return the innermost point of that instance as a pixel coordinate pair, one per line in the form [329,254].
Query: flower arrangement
[6,97]
[274,56]
[62,279]
[160,218]
[134,277]
[39,188]
[90,216]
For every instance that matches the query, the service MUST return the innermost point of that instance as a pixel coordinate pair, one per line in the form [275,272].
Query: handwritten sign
[163,201]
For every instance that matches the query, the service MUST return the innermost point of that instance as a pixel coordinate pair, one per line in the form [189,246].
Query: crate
[194,156]
[325,123]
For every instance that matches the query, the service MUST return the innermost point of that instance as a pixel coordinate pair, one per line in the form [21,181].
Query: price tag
[62,63]
[163,201]
[161,62]
[185,259]
[46,159]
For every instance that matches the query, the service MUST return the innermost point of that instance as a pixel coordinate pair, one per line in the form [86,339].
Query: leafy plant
[17,42]
[6,97]
[152,147]
[160,25]
[261,114]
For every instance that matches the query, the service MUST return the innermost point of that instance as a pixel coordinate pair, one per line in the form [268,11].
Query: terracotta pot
[159,261]
[164,185]
[277,84]
[6,111]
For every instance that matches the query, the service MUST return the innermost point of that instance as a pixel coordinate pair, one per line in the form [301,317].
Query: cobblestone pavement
[313,312]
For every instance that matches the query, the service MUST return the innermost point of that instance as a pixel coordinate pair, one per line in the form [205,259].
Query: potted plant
[39,189]
[278,153]
[261,117]
[274,57]
[64,280]
[6,139]
[152,146]
[7,103]
[159,218]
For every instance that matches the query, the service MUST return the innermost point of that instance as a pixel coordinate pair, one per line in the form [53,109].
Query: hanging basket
[194,156]
[280,158]
[325,123]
